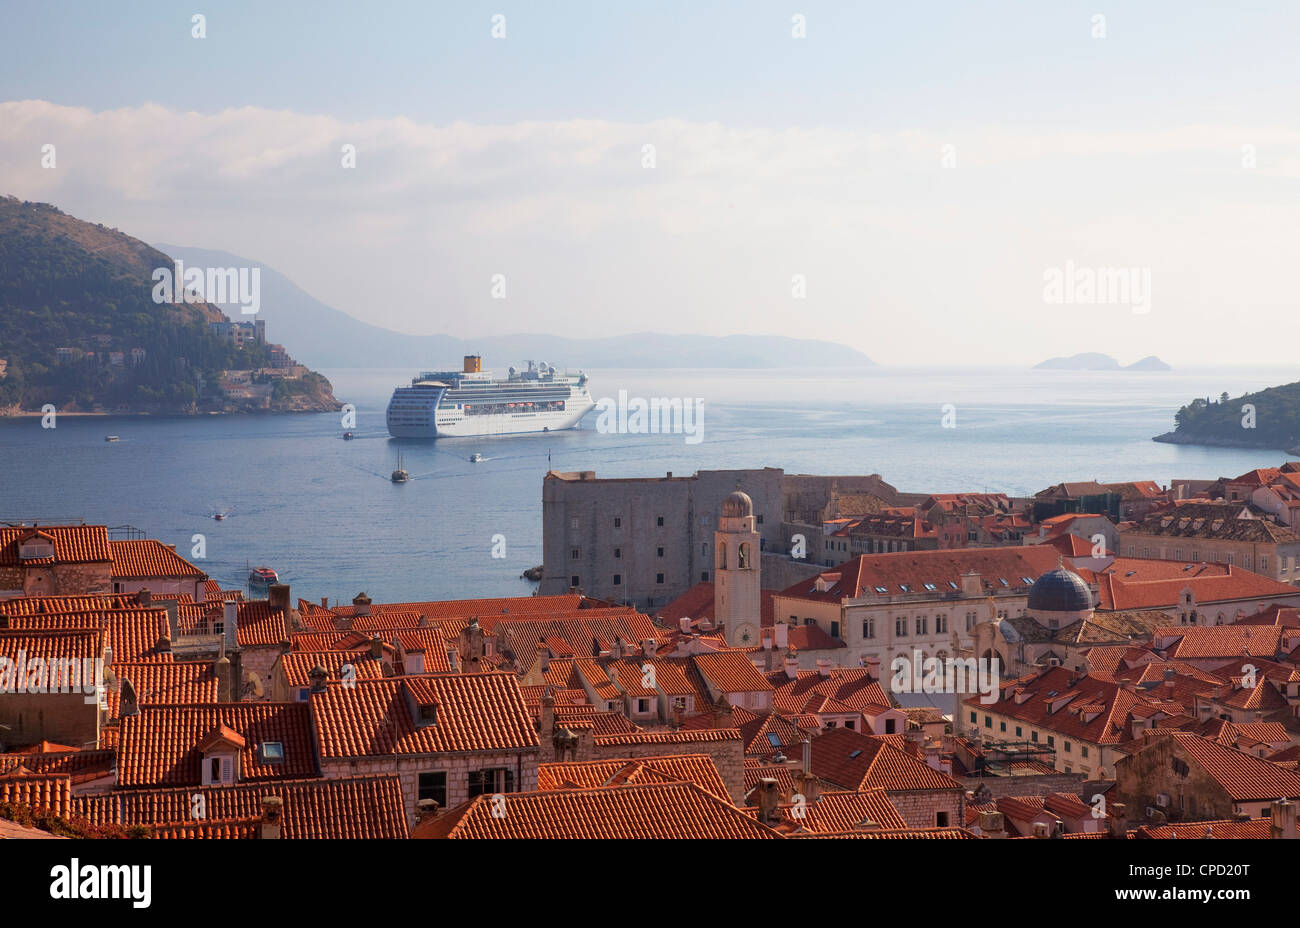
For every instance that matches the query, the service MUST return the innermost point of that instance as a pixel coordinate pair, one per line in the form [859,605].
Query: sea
[324,514]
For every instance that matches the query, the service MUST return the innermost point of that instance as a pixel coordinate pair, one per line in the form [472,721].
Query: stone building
[53,560]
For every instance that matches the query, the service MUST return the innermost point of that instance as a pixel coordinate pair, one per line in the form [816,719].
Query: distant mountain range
[1092,361]
[322,336]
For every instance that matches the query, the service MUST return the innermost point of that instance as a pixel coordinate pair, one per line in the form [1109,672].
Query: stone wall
[1073,783]
[408,767]
[921,808]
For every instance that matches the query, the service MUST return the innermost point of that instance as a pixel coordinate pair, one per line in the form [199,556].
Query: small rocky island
[1093,361]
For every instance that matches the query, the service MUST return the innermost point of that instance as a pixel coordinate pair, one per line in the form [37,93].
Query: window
[659,521]
[573,523]
[900,628]
[1033,736]
[941,819]
[618,579]
[1083,750]
[659,551]
[758,519]
[988,721]
[1051,741]
[575,553]
[704,576]
[835,629]
[434,786]
[940,624]
[618,523]
[618,553]
[1068,747]
[1019,732]
[1003,726]
[974,719]
[575,581]
[970,621]
[659,578]
[921,623]
[643,706]
[491,780]
[868,628]
[1263,562]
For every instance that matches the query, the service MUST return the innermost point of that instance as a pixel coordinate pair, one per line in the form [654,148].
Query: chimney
[805,783]
[223,679]
[173,620]
[324,602]
[824,667]
[427,810]
[318,676]
[992,824]
[769,801]
[616,649]
[278,596]
[376,648]
[649,647]
[144,597]
[361,604]
[1118,822]
[128,704]
[547,720]
[1283,826]
[1042,830]
[791,664]
[543,656]
[722,715]
[231,610]
[272,812]
[782,635]
[684,623]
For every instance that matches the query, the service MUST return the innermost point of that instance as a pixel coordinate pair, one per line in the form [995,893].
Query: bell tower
[737,596]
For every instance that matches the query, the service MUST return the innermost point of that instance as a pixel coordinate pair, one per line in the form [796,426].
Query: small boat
[475,458]
[348,436]
[400,475]
[220,516]
[262,577]
[111,438]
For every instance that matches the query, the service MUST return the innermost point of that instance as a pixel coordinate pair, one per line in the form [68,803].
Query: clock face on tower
[746,635]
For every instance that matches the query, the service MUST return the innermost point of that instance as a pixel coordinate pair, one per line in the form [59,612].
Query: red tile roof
[475,712]
[668,810]
[73,544]
[1243,777]
[159,746]
[682,768]
[731,672]
[164,683]
[358,807]
[1138,583]
[147,559]
[855,761]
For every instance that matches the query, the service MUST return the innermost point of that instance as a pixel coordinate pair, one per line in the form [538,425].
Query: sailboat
[400,475]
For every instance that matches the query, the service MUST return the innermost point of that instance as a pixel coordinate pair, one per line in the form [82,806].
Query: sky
[929,183]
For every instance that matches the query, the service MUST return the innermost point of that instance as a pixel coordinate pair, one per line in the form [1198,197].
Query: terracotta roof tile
[685,768]
[146,559]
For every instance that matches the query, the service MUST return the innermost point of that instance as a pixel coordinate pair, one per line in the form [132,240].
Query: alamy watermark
[919,674]
[48,676]
[1120,286]
[658,415]
[218,285]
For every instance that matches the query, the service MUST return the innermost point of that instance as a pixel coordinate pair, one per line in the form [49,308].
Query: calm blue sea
[323,512]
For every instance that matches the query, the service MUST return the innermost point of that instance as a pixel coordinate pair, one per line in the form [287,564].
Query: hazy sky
[923,167]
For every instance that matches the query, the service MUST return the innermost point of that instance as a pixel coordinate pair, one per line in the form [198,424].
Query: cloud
[905,259]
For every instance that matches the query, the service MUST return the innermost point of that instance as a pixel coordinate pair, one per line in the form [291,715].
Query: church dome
[1060,590]
[737,505]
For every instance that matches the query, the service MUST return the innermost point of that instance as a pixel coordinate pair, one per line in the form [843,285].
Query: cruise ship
[445,404]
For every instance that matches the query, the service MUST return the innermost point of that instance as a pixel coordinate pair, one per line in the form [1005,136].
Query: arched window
[722,555]
[743,557]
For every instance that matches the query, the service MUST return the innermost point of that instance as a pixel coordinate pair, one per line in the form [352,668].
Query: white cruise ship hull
[451,424]
[459,404]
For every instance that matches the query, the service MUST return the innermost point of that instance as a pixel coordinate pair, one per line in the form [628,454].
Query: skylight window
[270,752]
[1003,581]
[952,584]
[882,589]
[854,754]
[905,588]
[773,739]
[931,587]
